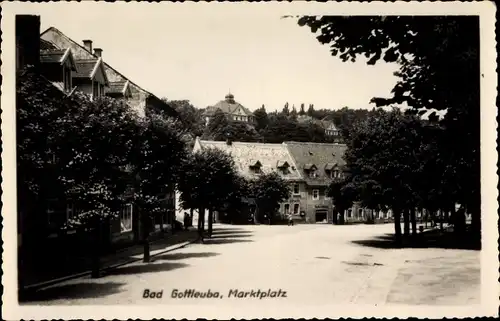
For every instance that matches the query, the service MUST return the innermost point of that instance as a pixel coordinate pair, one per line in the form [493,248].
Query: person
[290,219]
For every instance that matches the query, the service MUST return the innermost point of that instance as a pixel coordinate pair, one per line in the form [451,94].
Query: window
[315,194]
[126,218]
[286,208]
[360,213]
[67,78]
[95,90]
[313,174]
[256,170]
[335,174]
[70,210]
[296,189]
[349,213]
[296,208]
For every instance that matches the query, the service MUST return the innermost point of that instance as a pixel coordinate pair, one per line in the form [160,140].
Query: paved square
[314,264]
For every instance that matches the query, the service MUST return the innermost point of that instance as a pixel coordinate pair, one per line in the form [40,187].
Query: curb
[37,286]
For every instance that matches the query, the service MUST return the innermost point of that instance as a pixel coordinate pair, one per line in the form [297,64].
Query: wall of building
[84,86]
[322,203]
[138,100]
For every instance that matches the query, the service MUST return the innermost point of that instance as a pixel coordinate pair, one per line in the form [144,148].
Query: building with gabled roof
[254,159]
[141,100]
[318,164]
[58,66]
[231,108]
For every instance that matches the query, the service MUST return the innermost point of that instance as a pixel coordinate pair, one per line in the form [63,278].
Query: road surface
[313,264]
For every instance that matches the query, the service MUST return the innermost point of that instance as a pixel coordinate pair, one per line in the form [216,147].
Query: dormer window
[332,170]
[283,166]
[255,167]
[311,170]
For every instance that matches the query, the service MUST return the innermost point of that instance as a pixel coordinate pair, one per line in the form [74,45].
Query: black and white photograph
[249,160]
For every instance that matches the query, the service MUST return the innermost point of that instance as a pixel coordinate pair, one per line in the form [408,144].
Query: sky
[200,55]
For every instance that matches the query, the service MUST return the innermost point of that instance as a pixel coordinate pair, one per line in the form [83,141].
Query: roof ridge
[105,64]
[313,143]
[241,143]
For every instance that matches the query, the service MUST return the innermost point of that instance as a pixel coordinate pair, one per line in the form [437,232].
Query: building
[254,159]
[232,109]
[96,77]
[331,131]
[66,67]
[318,164]
[308,167]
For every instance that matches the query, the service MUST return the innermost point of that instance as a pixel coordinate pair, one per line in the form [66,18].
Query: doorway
[321,216]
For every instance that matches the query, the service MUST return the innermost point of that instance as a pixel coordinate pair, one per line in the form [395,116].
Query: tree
[293,113]
[286,110]
[72,148]
[217,124]
[190,116]
[269,190]
[343,193]
[382,156]
[302,111]
[435,54]
[281,129]
[221,129]
[310,110]
[316,133]
[206,181]
[157,159]
[261,118]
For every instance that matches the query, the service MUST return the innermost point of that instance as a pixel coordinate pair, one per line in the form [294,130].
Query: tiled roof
[227,106]
[246,155]
[47,45]
[117,87]
[323,156]
[108,69]
[51,55]
[85,68]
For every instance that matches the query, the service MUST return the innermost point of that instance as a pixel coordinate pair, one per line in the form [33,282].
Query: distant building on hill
[329,126]
[232,109]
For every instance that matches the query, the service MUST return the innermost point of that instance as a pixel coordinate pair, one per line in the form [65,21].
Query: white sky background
[177,53]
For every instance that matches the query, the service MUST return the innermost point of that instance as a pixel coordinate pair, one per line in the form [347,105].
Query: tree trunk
[201,222]
[413,222]
[334,217]
[96,253]
[397,224]
[146,221]
[210,221]
[342,216]
[406,222]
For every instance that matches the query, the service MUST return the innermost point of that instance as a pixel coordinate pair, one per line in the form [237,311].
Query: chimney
[98,52]
[88,45]
[27,41]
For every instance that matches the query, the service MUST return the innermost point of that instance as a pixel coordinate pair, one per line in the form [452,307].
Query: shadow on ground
[431,239]
[225,241]
[230,235]
[72,291]
[145,268]
[182,256]
[230,231]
